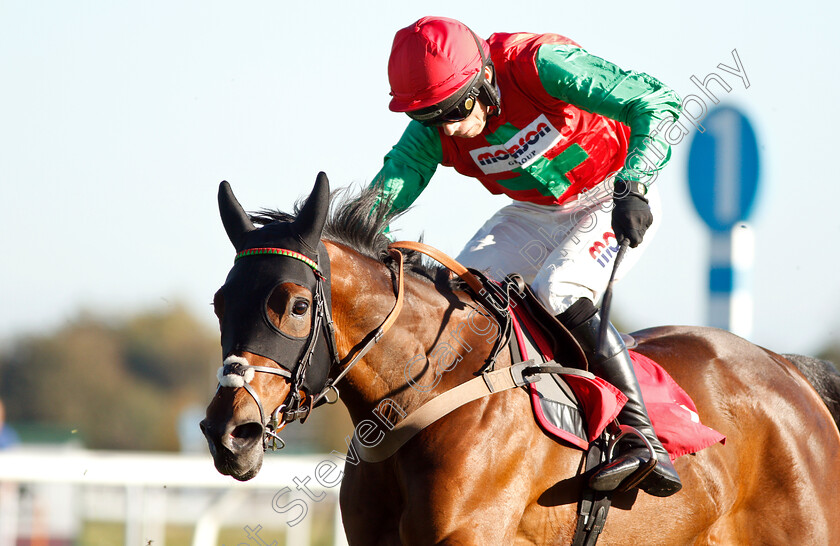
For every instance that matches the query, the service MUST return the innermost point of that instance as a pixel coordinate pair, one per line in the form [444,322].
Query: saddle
[570,404]
[558,339]
[543,338]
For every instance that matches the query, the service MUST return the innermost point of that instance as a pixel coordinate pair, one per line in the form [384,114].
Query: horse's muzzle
[236,449]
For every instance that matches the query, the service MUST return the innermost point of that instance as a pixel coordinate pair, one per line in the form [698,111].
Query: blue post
[731,258]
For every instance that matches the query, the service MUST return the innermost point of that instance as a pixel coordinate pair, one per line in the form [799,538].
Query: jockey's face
[469,127]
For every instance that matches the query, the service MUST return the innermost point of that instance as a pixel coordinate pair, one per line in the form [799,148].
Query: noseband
[236,372]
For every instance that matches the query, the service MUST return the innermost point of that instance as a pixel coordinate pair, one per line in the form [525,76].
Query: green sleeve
[409,166]
[638,100]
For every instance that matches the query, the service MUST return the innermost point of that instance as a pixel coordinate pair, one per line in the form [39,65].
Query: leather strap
[377,334]
[471,280]
[441,405]
[593,506]
[395,311]
[554,368]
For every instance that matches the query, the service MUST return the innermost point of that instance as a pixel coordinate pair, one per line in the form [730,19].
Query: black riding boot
[615,367]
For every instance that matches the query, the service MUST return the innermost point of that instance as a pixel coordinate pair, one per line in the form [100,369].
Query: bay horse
[486,473]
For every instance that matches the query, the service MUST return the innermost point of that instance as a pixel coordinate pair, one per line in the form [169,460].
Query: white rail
[149,490]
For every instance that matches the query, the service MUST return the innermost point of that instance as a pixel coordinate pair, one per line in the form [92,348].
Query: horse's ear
[310,222]
[234,217]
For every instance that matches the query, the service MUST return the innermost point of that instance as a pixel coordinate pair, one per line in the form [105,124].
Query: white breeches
[565,252]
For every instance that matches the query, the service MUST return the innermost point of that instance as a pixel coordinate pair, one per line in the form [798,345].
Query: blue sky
[118,120]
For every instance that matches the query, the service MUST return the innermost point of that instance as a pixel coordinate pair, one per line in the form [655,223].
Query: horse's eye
[300,307]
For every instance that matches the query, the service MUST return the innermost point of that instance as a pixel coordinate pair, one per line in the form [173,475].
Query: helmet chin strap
[489,95]
[488,92]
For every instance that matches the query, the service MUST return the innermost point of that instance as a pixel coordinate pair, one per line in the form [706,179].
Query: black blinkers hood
[245,323]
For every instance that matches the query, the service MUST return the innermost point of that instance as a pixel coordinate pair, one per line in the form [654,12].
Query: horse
[486,473]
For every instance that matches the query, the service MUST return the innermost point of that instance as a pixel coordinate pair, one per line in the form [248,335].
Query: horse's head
[274,310]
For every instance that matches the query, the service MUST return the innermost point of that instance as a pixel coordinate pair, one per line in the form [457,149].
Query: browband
[279,252]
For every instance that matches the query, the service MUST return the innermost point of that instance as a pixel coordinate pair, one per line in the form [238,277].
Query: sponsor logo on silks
[520,150]
[602,252]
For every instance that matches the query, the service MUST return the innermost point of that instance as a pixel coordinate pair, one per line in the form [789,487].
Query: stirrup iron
[634,479]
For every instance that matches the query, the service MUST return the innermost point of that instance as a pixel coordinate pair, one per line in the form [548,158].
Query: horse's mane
[356,221]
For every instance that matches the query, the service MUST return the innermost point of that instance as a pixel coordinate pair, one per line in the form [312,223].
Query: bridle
[237,372]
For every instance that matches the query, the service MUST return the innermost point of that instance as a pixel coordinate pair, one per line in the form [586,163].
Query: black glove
[631,216]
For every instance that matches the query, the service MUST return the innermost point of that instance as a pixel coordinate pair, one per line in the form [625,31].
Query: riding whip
[605,304]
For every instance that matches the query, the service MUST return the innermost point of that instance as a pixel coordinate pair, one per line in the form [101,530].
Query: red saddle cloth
[672,412]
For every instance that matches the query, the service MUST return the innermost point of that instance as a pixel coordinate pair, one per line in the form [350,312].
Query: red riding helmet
[435,59]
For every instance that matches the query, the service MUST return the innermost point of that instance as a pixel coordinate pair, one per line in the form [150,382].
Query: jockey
[573,140]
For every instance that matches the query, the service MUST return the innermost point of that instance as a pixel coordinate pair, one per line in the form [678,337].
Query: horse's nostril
[248,432]
[203,426]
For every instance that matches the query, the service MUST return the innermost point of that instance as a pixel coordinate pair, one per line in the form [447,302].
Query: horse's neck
[397,368]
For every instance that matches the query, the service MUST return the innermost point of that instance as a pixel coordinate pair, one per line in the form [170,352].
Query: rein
[496,300]
[377,334]
[471,280]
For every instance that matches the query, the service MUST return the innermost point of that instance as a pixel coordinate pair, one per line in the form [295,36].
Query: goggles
[447,111]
